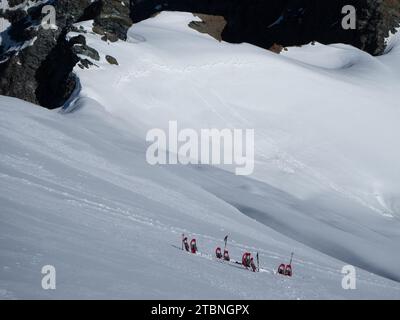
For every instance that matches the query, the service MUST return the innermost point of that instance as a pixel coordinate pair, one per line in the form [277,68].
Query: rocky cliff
[37,63]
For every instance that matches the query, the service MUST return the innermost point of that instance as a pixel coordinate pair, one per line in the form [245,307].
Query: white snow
[4,24]
[76,191]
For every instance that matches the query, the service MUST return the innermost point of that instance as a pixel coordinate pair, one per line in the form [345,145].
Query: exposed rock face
[212,25]
[376,21]
[37,63]
[114,19]
[390,11]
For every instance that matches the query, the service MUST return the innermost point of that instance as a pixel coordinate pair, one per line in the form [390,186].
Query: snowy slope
[76,191]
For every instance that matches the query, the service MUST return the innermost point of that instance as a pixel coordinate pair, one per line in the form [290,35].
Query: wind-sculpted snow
[76,191]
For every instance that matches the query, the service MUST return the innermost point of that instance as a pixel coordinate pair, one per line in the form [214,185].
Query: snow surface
[76,191]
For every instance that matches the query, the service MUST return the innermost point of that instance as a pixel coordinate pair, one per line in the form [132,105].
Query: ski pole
[291,258]
[225,240]
[258,263]
[183,236]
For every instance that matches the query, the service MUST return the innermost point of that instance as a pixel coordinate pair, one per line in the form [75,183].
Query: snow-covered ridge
[76,190]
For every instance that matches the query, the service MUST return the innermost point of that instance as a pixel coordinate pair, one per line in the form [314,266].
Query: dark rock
[85,63]
[78,40]
[20,22]
[18,73]
[92,11]
[41,73]
[99,30]
[112,60]
[79,46]
[85,50]
[54,76]
[14,3]
[114,19]
[110,37]
[212,25]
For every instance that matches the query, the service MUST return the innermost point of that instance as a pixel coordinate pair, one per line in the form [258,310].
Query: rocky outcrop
[212,25]
[113,20]
[375,23]
[36,64]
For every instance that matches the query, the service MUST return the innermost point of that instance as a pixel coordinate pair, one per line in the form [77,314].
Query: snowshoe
[288,270]
[226,256]
[218,253]
[193,246]
[282,269]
